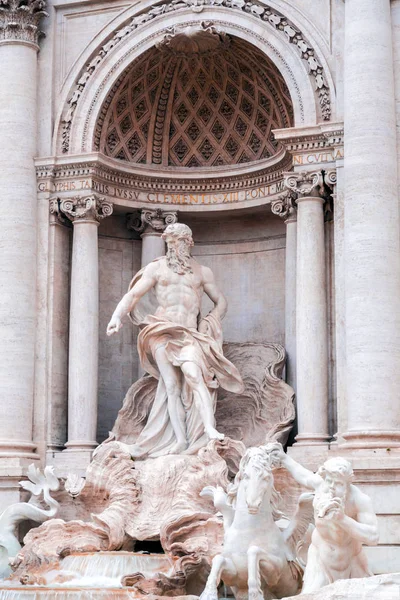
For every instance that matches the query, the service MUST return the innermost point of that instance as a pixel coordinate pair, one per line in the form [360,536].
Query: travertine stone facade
[271,129]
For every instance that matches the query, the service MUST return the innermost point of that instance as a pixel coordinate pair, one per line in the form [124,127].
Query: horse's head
[255,473]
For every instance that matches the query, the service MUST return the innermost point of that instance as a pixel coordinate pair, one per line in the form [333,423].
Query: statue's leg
[315,576]
[254,578]
[202,398]
[219,565]
[260,563]
[173,384]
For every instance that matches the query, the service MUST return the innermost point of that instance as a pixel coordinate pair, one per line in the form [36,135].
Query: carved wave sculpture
[123,501]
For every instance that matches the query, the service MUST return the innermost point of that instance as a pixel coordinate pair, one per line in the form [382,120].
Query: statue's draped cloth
[181,344]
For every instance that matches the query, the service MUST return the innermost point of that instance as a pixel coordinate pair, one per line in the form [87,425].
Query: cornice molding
[213,180]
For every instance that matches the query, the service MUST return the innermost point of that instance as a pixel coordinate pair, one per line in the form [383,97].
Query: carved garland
[274,18]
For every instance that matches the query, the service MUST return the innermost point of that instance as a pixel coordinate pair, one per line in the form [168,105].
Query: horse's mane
[261,460]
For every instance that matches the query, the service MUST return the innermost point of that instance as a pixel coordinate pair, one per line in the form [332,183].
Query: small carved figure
[258,560]
[22,511]
[344,521]
[181,350]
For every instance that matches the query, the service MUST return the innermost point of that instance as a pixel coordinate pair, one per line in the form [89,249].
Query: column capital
[305,184]
[285,206]
[19,20]
[56,216]
[151,221]
[86,208]
[313,184]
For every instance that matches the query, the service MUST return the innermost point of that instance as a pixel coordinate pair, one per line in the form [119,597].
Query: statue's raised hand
[276,454]
[114,325]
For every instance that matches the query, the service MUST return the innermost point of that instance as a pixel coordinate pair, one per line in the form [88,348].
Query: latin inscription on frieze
[171,198]
[317,157]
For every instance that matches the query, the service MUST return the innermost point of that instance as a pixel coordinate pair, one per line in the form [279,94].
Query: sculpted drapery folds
[179,348]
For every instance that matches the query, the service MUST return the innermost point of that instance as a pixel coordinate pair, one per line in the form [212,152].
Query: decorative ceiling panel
[209,103]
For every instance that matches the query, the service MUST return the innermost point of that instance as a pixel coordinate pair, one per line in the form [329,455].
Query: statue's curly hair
[338,467]
[178,230]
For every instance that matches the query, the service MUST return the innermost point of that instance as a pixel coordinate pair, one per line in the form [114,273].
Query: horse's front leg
[217,568]
[270,570]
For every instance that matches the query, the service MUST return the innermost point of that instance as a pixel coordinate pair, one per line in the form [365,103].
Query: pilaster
[285,208]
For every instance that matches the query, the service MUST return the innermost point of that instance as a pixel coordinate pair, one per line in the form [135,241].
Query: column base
[312,439]
[15,458]
[389,438]
[78,445]
[75,459]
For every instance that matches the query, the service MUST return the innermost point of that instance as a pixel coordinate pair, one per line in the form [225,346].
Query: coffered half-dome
[199,99]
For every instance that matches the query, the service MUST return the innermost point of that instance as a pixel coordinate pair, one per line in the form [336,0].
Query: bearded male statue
[344,521]
[179,348]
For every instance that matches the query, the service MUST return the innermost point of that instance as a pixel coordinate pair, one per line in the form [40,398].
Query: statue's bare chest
[169,280]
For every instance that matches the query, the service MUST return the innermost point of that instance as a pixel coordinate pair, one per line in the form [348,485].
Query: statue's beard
[178,258]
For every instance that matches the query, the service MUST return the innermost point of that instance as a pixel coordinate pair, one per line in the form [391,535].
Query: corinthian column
[285,208]
[371,228]
[85,214]
[151,224]
[18,67]
[311,309]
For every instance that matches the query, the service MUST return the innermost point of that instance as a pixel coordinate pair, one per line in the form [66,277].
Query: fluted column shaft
[84,321]
[18,228]
[371,227]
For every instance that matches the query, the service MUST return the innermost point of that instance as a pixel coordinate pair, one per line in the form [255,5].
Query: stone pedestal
[85,214]
[18,230]
[371,229]
[311,310]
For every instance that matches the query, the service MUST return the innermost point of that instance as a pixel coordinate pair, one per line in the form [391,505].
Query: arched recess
[298,59]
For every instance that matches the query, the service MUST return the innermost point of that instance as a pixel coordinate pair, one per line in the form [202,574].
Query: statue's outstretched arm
[302,475]
[131,298]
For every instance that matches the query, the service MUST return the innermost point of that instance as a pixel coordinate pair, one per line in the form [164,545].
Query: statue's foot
[178,448]
[213,434]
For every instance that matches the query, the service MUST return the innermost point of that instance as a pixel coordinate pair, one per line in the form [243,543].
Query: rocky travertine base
[379,587]
[48,593]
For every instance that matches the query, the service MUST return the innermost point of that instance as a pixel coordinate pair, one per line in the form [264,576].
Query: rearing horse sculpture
[258,560]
